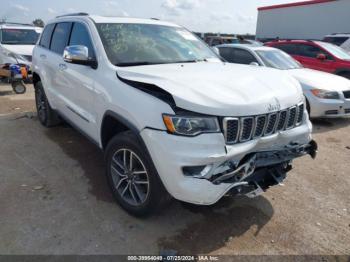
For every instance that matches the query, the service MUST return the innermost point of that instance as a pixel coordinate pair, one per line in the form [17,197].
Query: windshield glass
[19,36]
[278,59]
[335,50]
[146,44]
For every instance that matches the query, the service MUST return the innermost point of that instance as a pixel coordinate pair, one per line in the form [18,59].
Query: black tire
[154,193]
[46,115]
[18,87]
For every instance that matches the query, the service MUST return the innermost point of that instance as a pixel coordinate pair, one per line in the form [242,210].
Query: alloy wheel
[130,177]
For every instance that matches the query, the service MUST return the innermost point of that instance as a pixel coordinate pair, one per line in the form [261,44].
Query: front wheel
[132,176]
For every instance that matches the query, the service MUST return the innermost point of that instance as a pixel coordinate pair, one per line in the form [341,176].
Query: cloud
[112,8]
[21,7]
[176,7]
[51,11]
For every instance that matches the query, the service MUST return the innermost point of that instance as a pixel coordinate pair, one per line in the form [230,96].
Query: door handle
[43,56]
[62,67]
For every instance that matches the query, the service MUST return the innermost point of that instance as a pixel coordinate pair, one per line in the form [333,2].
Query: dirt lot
[54,200]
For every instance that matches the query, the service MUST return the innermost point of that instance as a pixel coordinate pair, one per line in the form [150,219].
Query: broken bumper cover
[217,162]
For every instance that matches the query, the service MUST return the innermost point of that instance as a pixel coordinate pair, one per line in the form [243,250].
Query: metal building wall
[305,22]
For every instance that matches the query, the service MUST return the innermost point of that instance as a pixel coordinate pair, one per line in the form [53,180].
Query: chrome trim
[226,119]
[256,123]
[302,118]
[242,128]
[274,127]
[285,121]
[296,117]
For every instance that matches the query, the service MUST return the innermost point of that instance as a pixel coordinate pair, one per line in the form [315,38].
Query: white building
[304,20]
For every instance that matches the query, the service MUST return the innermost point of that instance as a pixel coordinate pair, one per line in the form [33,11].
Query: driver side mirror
[321,57]
[78,54]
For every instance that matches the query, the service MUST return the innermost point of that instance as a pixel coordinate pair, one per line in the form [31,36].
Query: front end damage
[257,172]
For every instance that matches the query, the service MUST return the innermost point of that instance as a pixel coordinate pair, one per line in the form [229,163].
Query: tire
[46,115]
[19,87]
[140,194]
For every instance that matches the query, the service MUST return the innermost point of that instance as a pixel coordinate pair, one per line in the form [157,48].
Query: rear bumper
[171,154]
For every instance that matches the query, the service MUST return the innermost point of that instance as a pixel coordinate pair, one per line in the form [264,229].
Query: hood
[310,79]
[219,88]
[20,49]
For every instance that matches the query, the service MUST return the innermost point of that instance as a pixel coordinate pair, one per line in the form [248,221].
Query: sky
[219,16]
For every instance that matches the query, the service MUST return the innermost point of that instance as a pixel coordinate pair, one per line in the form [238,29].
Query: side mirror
[321,57]
[216,50]
[78,54]
[254,64]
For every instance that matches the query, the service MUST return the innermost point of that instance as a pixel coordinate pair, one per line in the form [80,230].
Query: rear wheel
[47,116]
[132,176]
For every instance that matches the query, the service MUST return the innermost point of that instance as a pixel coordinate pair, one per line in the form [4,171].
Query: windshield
[278,59]
[146,44]
[19,36]
[335,50]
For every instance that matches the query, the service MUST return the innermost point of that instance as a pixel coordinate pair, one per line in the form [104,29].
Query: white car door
[76,84]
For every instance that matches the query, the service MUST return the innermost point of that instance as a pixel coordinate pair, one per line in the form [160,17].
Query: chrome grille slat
[292,116]
[243,129]
[247,126]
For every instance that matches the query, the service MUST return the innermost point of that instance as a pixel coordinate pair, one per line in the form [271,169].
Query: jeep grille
[243,129]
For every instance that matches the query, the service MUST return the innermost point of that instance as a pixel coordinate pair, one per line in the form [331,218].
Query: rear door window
[60,37]
[235,55]
[46,36]
[288,48]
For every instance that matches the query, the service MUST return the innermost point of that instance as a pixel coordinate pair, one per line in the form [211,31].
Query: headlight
[325,94]
[191,126]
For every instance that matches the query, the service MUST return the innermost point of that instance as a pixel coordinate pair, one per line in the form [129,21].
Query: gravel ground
[54,200]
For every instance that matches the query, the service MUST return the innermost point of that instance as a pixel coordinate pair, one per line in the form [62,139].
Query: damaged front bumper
[201,170]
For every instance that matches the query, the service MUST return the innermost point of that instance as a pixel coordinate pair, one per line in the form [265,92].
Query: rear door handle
[43,56]
[62,66]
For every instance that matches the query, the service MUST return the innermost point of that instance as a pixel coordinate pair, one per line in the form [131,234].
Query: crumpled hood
[20,49]
[220,89]
[310,79]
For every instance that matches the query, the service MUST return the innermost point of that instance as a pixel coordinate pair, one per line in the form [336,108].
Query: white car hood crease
[218,88]
[320,80]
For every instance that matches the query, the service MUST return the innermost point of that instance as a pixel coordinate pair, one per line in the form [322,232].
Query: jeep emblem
[274,106]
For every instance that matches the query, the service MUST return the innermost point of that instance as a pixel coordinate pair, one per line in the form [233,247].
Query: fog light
[197,171]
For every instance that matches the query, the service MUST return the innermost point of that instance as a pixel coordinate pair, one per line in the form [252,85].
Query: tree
[39,22]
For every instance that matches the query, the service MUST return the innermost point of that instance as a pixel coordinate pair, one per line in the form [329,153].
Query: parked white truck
[170,115]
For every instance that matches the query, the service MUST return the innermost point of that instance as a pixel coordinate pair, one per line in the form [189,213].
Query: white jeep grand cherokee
[170,115]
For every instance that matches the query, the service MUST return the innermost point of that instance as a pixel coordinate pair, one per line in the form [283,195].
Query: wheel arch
[36,78]
[112,124]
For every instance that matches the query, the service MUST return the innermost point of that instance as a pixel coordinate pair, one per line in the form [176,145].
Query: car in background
[317,55]
[17,42]
[327,95]
[342,40]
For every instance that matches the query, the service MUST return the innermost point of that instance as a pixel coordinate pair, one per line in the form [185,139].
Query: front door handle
[62,67]
[43,56]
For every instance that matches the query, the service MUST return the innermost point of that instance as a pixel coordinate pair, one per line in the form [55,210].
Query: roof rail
[73,14]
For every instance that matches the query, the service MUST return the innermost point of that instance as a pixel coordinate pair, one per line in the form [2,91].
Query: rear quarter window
[46,36]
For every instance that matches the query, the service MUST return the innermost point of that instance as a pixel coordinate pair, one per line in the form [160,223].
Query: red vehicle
[317,55]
